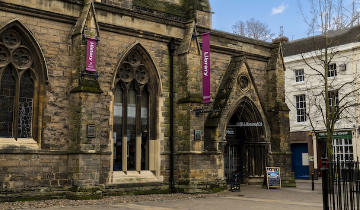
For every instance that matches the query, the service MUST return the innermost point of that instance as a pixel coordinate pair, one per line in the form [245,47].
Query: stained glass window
[25,105]
[7,99]
[17,86]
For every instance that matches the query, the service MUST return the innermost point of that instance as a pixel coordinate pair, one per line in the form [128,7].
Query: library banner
[206,67]
[91,55]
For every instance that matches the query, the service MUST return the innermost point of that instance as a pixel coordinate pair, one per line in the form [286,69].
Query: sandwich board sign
[273,177]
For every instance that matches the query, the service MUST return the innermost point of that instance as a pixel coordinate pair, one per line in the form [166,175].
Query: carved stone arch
[226,102]
[137,67]
[232,110]
[136,86]
[32,44]
[148,62]
[245,135]
[24,55]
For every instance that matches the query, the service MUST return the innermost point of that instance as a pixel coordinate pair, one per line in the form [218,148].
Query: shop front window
[343,150]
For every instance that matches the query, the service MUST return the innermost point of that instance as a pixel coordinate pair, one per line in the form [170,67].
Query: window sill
[20,143]
[120,177]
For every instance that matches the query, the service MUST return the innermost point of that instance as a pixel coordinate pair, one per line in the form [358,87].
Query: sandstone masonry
[62,160]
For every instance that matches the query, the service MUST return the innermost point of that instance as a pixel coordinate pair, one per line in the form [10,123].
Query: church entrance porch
[246,148]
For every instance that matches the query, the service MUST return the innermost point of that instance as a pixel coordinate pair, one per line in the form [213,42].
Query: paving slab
[249,198]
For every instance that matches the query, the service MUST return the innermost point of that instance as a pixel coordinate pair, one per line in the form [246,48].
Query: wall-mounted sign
[206,67]
[230,131]
[311,158]
[91,131]
[249,124]
[305,159]
[336,134]
[91,55]
[273,177]
[197,135]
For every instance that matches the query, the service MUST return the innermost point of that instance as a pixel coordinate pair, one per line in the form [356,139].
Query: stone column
[278,115]
[86,101]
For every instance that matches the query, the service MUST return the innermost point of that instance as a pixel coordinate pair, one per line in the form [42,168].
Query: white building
[304,86]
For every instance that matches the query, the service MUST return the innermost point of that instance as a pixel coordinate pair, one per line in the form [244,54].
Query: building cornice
[18,9]
[23,10]
[339,49]
[141,15]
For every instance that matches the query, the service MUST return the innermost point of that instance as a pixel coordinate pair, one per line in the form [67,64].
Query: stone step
[120,177]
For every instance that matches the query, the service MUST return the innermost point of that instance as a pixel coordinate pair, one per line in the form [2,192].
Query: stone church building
[136,121]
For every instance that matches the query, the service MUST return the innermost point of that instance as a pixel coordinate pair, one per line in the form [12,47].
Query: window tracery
[133,96]
[18,71]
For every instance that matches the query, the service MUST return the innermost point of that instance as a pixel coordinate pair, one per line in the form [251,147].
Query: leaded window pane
[144,130]
[131,129]
[134,77]
[25,105]
[118,118]
[7,95]
[17,79]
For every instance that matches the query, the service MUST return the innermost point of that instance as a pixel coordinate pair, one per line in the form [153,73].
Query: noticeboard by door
[273,177]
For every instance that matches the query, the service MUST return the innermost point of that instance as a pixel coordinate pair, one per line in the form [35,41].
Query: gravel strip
[106,200]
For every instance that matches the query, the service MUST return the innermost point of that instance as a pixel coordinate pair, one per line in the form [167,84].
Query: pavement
[249,198]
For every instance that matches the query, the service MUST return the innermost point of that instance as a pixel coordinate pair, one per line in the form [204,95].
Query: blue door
[300,161]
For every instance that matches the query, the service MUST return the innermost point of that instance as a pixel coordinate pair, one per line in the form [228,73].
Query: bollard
[312,181]
[325,181]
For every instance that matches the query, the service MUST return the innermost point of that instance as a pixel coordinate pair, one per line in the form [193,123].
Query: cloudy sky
[275,13]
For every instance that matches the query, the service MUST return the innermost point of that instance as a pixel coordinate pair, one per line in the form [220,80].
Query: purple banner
[206,67]
[91,55]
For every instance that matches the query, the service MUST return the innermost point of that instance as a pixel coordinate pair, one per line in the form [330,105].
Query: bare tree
[329,15]
[253,29]
[330,100]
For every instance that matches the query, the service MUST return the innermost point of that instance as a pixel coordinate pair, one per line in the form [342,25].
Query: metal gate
[246,147]
[232,161]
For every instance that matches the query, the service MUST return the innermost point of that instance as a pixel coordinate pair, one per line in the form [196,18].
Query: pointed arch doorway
[246,147]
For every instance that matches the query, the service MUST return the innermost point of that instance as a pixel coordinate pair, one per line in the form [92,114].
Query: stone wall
[53,39]
[65,156]
[120,3]
[25,171]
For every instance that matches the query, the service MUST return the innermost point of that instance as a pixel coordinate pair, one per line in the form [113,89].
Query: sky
[275,13]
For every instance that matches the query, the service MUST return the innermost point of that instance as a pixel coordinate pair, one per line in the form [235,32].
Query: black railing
[341,185]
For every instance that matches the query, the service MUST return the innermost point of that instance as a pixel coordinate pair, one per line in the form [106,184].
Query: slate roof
[313,43]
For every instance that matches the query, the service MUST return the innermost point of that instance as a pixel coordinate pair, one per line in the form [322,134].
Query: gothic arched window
[134,108]
[20,67]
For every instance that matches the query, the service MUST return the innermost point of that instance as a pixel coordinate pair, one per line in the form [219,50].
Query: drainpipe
[171,47]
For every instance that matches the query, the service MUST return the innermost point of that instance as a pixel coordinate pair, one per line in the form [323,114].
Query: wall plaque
[197,135]
[91,131]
